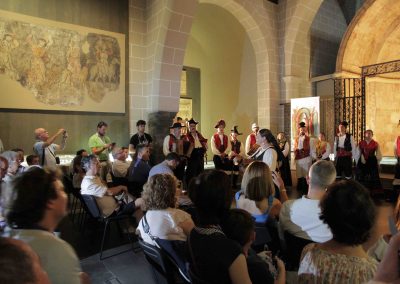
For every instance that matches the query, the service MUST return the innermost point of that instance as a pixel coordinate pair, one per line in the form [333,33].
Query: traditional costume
[175,144]
[219,144]
[195,146]
[235,154]
[251,143]
[368,159]
[344,151]
[302,156]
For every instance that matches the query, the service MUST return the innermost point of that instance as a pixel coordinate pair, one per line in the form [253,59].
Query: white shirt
[164,224]
[300,217]
[248,205]
[92,185]
[340,139]
[270,157]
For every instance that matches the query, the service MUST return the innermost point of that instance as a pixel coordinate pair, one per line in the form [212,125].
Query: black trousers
[195,164]
[344,165]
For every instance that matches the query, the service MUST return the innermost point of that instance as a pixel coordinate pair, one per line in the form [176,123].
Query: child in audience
[239,226]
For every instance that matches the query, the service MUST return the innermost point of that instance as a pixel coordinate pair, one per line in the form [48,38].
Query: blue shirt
[161,168]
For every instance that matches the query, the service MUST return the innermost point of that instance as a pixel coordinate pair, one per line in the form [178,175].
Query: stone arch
[300,15]
[368,38]
[180,13]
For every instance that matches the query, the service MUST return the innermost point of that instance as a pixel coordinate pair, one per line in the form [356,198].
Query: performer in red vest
[302,156]
[251,143]
[344,150]
[368,159]
[219,145]
[396,181]
[195,146]
[173,142]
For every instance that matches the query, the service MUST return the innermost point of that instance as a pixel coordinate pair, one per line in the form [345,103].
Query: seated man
[139,169]
[39,204]
[120,165]
[300,217]
[105,197]
[167,166]
[19,264]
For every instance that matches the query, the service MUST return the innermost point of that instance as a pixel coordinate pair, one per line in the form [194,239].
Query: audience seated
[6,189]
[300,217]
[258,196]
[349,211]
[19,264]
[20,157]
[78,173]
[163,219]
[139,170]
[388,268]
[32,160]
[212,256]
[167,166]
[105,197]
[39,204]
[239,226]
[120,165]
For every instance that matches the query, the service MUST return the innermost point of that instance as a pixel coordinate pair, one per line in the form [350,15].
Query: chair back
[158,260]
[91,205]
[294,247]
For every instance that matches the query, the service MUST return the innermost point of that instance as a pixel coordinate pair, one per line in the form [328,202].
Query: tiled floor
[128,267]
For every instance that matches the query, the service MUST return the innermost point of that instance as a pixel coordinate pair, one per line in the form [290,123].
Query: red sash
[368,150]
[221,147]
[302,153]
[398,146]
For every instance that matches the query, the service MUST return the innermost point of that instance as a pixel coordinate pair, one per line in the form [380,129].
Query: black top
[213,254]
[144,139]
[139,171]
[258,270]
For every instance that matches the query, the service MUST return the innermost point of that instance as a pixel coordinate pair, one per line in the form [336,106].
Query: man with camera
[46,149]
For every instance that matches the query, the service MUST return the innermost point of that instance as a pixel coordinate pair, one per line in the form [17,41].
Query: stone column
[158,125]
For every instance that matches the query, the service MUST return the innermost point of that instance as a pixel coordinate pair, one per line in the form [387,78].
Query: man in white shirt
[300,217]
[105,197]
[344,150]
[46,149]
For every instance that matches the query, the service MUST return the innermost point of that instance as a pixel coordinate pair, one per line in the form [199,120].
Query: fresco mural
[60,66]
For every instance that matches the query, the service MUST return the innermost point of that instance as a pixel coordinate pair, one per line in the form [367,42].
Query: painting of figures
[56,66]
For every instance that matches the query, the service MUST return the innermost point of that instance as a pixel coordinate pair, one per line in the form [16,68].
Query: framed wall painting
[49,65]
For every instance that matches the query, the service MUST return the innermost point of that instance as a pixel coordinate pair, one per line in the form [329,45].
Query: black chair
[118,180]
[267,235]
[164,266]
[294,247]
[94,212]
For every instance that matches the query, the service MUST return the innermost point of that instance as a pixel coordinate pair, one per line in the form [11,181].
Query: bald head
[322,174]
[39,133]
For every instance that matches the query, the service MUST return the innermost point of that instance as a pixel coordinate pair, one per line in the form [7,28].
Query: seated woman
[258,194]
[162,219]
[212,256]
[350,213]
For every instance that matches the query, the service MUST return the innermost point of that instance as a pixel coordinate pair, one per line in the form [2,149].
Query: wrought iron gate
[349,103]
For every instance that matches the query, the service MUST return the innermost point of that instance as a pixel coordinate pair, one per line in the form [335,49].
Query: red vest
[221,147]
[252,139]
[190,138]
[398,146]
[368,150]
[302,153]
